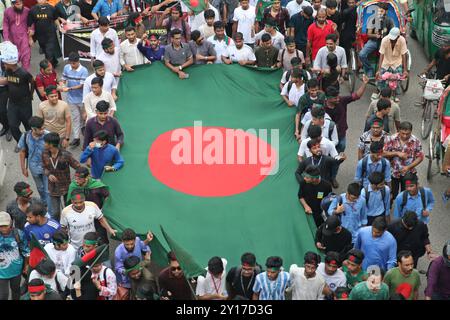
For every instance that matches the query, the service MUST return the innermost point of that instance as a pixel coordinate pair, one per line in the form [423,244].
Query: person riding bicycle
[377,29]
[393,56]
[442,62]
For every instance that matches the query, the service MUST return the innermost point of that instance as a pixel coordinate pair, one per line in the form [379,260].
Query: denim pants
[41,182]
[369,47]
[57,206]
[13,284]
[339,148]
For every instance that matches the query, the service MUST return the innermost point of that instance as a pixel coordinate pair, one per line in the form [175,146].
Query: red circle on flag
[211,161]
[194,3]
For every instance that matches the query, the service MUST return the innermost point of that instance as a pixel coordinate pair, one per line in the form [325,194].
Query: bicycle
[432,91]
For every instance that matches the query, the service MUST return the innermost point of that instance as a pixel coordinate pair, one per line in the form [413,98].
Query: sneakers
[334,183]
[3,131]
[75,143]
[445,197]
[8,136]
[16,149]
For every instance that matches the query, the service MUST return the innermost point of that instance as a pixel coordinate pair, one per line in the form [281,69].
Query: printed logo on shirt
[13,79]
[319,195]
[46,236]
[42,16]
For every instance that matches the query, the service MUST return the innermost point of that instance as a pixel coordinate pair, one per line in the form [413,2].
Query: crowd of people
[370,237]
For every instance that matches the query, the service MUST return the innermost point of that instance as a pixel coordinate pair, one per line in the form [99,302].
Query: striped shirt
[74,77]
[271,290]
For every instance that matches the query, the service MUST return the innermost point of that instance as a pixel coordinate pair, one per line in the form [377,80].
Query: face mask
[98,145]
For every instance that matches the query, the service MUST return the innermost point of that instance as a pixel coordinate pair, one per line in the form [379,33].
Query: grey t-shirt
[394,114]
[179,56]
[206,49]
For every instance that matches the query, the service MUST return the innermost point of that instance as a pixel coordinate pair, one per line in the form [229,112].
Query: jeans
[41,182]
[4,107]
[339,148]
[57,206]
[13,284]
[369,47]
[19,112]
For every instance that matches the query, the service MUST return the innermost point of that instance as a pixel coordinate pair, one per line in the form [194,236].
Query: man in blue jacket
[104,156]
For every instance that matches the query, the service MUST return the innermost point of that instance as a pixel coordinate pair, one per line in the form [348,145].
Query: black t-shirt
[325,164]
[348,20]
[19,84]
[442,64]
[338,242]
[240,286]
[43,17]
[413,240]
[86,9]
[313,194]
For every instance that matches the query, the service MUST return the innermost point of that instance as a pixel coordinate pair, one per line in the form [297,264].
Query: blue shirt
[11,259]
[35,149]
[151,54]
[42,233]
[380,251]
[354,216]
[74,78]
[107,9]
[375,206]
[121,254]
[415,204]
[102,157]
[372,167]
[271,290]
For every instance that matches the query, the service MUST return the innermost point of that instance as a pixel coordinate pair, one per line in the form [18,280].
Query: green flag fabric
[211,210]
[37,252]
[91,184]
[190,268]
[195,6]
[261,5]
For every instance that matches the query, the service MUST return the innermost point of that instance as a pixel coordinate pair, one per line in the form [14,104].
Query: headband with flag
[36,289]
[25,192]
[136,267]
[50,90]
[310,176]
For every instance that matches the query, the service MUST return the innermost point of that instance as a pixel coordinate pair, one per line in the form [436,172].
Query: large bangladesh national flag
[189,169]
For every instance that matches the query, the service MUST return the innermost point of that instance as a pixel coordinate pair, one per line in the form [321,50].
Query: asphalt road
[440,218]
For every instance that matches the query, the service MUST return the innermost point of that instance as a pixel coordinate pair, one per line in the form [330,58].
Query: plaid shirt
[282,18]
[60,168]
[413,148]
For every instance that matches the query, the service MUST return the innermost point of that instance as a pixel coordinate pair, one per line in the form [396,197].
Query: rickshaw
[439,139]
[367,11]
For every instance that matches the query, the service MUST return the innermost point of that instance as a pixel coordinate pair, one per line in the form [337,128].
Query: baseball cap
[5,219]
[330,225]
[394,33]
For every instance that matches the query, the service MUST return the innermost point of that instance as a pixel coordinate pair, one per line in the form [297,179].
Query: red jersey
[317,35]
[45,80]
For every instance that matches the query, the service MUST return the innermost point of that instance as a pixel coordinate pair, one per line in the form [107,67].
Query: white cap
[394,33]
[5,219]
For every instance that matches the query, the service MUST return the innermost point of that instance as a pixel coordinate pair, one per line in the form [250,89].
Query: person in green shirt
[352,268]
[404,279]
[373,288]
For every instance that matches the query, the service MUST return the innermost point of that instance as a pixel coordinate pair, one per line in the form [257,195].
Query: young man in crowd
[240,280]
[212,287]
[130,55]
[438,285]
[207,29]
[295,63]
[316,35]
[414,198]
[39,225]
[56,115]
[320,118]
[109,81]
[103,31]
[332,237]
[312,190]
[276,38]
[240,53]
[329,270]
[17,208]
[143,282]
[271,284]
[327,147]
[97,95]
[378,245]
[202,50]
[375,134]
[57,163]
[61,252]
[394,113]
[374,162]
[372,289]
[378,197]
[352,267]
[172,282]
[46,77]
[244,18]
[104,156]
[178,56]
[293,89]
[306,282]
[73,78]
[404,275]
[39,291]
[383,110]
[320,62]
[176,21]
[110,56]
[151,47]
[299,24]
[221,41]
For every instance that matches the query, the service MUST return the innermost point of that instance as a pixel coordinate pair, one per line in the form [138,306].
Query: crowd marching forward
[370,237]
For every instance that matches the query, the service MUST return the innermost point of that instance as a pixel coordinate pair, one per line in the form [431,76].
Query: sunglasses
[175,268]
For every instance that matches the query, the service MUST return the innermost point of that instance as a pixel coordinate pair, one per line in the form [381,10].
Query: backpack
[284,51]
[331,129]
[422,196]
[364,167]
[169,27]
[383,196]
[326,202]
[18,240]
[304,77]
[27,150]
[36,89]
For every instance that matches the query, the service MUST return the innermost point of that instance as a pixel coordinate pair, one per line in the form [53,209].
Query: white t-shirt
[59,276]
[325,130]
[235,54]
[305,288]
[111,61]
[293,7]
[207,285]
[97,38]
[109,83]
[294,93]
[221,47]
[246,21]
[327,147]
[90,102]
[62,259]
[336,280]
[196,21]
[277,39]
[80,223]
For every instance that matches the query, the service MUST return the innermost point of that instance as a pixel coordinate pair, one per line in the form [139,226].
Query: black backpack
[364,167]
[383,196]
[422,197]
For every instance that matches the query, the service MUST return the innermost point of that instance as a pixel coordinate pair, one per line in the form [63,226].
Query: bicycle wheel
[405,83]
[427,120]
[353,70]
